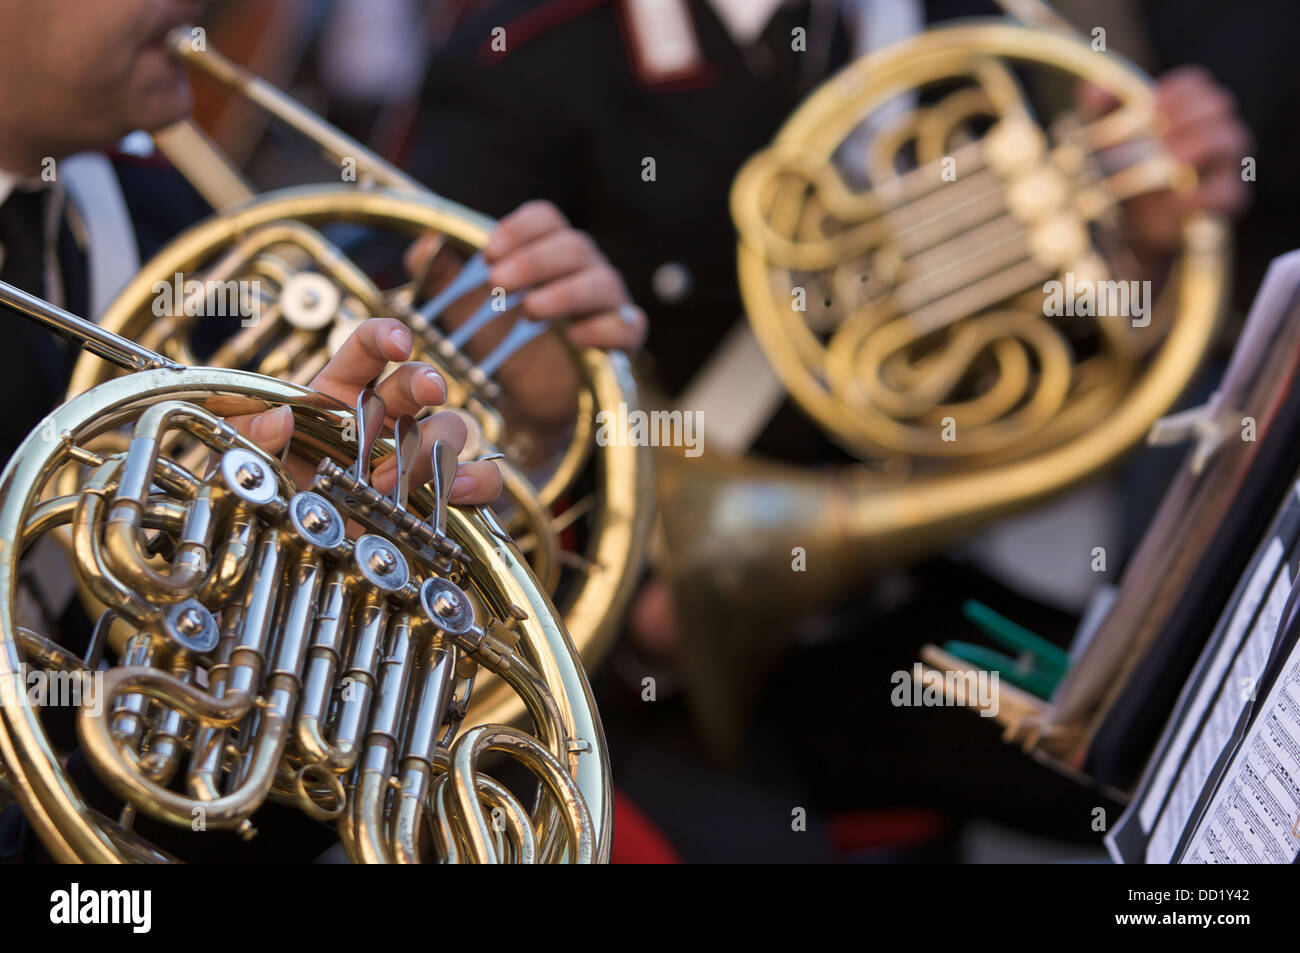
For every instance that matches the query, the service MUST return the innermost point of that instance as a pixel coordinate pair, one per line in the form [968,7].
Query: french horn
[897,244]
[271,654]
[311,294]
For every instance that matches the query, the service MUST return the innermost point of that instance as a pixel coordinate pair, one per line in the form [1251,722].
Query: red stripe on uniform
[534,23]
[636,838]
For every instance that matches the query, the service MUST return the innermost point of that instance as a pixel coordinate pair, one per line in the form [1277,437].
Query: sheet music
[1165,774]
[1233,694]
[1204,732]
[1252,817]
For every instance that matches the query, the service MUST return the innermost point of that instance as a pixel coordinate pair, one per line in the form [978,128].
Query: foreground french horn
[898,242]
[269,655]
[312,294]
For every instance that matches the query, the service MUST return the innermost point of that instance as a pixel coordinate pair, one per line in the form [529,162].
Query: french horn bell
[898,241]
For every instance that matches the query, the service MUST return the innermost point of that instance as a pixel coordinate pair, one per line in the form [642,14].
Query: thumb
[1094,101]
[271,431]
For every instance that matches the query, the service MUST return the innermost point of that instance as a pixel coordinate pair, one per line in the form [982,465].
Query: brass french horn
[268,655]
[897,244]
[312,294]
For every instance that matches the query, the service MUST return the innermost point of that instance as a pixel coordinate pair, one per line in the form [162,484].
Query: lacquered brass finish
[896,241]
[277,241]
[272,656]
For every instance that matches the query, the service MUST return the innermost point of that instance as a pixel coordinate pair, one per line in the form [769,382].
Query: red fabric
[636,839]
[895,827]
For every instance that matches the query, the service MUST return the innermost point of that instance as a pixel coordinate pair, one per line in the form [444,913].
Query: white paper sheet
[1245,610]
[1252,816]
[1229,703]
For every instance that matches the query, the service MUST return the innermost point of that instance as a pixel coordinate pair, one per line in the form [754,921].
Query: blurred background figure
[358,63]
[494,102]
[566,99]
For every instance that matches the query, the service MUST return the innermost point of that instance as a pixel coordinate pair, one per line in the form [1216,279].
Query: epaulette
[660,37]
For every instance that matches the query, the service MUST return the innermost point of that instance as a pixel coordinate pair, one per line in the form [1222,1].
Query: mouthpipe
[114,348]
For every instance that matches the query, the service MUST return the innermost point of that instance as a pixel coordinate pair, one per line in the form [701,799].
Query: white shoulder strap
[736,391]
[114,257]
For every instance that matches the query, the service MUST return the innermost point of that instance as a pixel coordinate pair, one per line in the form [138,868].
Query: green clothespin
[1019,672]
[1016,637]
[1038,665]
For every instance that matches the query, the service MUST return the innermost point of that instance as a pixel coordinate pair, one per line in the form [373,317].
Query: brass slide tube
[370,622]
[323,657]
[126,517]
[382,738]
[236,700]
[100,579]
[210,740]
[432,698]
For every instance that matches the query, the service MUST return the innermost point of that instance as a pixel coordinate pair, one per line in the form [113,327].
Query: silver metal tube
[111,347]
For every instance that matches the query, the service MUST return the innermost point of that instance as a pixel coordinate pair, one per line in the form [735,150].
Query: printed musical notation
[1252,816]
[1233,694]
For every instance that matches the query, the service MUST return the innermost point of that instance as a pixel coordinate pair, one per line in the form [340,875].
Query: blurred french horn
[269,656]
[311,295]
[896,241]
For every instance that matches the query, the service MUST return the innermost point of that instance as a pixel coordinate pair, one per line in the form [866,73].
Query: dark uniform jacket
[34,365]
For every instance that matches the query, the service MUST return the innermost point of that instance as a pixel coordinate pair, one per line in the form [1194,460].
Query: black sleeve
[492,133]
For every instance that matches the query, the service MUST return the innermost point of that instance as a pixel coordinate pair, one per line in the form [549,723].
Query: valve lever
[408,441]
[370,421]
[444,472]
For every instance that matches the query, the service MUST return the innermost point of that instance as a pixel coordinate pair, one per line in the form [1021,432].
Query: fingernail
[463,486]
[429,374]
[402,338]
[272,425]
